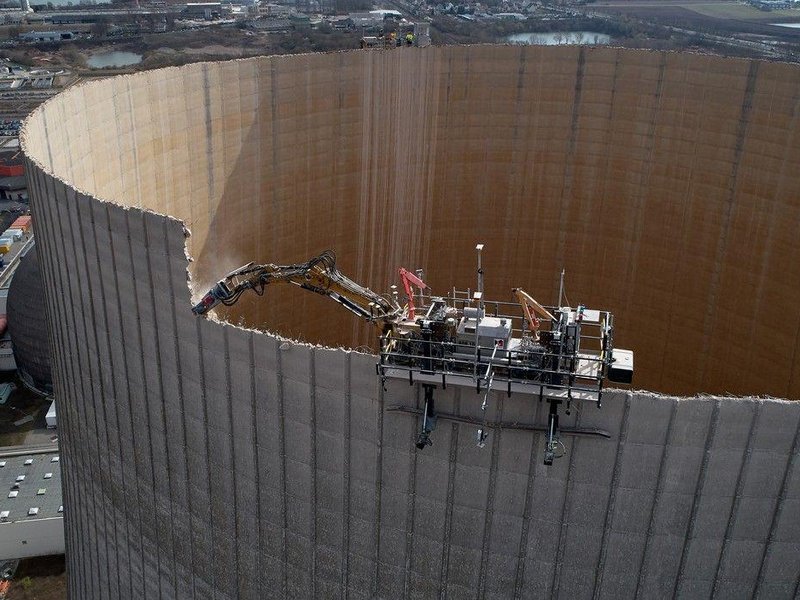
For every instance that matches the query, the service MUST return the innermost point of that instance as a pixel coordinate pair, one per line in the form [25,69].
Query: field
[739,11]
[723,17]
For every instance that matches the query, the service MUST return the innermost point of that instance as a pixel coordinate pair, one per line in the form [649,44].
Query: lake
[556,38]
[113,59]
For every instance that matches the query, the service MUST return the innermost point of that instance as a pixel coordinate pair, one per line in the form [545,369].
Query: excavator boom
[317,275]
[456,340]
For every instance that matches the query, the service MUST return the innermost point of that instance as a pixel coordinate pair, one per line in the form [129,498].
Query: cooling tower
[207,459]
[27,324]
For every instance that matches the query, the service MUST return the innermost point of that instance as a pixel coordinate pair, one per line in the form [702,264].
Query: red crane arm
[408,278]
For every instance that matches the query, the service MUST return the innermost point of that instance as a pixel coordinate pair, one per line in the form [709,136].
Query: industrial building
[27,325]
[48,36]
[219,457]
[31,508]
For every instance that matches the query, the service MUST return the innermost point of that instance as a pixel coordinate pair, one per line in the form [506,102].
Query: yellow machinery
[558,353]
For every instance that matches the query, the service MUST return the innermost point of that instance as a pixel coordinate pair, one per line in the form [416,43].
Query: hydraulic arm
[318,275]
[557,354]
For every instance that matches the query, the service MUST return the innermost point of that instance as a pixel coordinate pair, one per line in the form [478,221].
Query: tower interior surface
[252,455]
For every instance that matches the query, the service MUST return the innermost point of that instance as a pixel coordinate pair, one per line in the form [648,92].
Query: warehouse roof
[30,487]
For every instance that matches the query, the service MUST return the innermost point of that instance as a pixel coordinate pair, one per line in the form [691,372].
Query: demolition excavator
[556,354]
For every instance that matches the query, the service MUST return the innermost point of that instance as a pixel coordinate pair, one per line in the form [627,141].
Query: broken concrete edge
[700,396]
[195,293]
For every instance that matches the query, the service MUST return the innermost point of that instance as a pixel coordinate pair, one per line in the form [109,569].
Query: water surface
[113,59]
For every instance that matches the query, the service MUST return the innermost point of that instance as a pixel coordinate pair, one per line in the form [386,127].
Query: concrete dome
[203,458]
[27,323]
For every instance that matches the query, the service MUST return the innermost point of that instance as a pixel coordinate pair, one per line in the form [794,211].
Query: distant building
[300,21]
[366,20]
[509,16]
[76,17]
[48,36]
[387,14]
[340,22]
[204,10]
[274,10]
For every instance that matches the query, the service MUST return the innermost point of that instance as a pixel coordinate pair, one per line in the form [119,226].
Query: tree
[100,28]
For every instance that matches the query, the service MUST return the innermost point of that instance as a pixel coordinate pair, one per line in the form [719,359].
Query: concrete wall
[206,460]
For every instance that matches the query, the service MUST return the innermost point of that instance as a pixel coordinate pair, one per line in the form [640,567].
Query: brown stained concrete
[663,183]
[206,459]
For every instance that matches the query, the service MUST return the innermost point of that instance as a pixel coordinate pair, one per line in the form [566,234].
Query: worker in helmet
[409,39]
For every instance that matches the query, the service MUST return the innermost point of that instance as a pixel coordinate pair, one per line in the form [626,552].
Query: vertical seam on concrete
[68,333]
[134,145]
[566,189]
[162,404]
[722,242]
[112,370]
[519,577]
[146,393]
[448,515]
[80,321]
[182,403]
[79,445]
[346,478]
[256,458]
[114,250]
[608,522]
[282,446]
[609,142]
[60,385]
[274,145]
[487,522]
[232,439]
[656,498]
[312,380]
[776,516]
[685,209]
[565,508]
[410,509]
[48,142]
[792,361]
[206,430]
[209,140]
[645,177]
[57,342]
[94,401]
[701,480]
[737,495]
[378,490]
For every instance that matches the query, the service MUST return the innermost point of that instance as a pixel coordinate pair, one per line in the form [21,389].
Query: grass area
[43,578]
[738,11]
